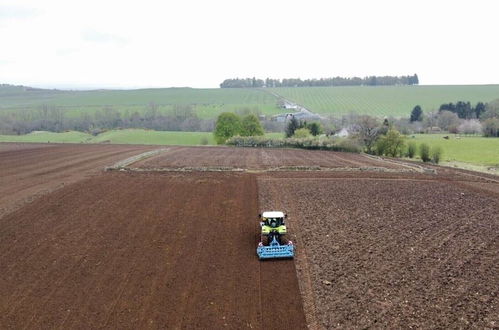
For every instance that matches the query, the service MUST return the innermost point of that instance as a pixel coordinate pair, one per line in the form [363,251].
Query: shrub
[302,133]
[390,144]
[436,154]
[411,149]
[204,141]
[424,152]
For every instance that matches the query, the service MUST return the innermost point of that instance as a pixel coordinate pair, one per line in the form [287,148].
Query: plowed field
[258,158]
[124,251]
[375,249]
[392,253]
[30,170]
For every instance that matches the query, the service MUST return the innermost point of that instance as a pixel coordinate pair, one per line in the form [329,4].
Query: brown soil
[177,250]
[392,253]
[30,170]
[258,158]
[132,251]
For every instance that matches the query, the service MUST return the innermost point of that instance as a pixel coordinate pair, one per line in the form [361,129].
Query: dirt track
[124,251]
[30,170]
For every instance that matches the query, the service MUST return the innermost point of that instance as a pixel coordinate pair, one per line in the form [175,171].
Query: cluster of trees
[460,118]
[230,124]
[335,81]
[382,138]
[301,129]
[54,119]
[464,110]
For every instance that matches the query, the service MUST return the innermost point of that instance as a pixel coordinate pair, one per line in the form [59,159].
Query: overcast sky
[199,43]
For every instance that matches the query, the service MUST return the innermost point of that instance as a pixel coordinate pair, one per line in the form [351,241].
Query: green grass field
[380,101]
[208,103]
[125,136]
[461,149]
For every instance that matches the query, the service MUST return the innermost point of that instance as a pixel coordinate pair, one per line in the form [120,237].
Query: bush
[411,149]
[302,133]
[436,154]
[424,152]
[204,141]
[391,144]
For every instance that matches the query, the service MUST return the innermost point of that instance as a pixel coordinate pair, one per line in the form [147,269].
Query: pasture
[122,136]
[125,136]
[462,149]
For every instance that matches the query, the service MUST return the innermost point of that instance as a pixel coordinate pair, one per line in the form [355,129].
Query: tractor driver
[274,222]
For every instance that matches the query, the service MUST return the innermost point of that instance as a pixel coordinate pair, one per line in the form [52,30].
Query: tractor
[273,243]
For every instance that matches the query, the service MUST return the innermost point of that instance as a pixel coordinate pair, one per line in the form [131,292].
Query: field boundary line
[266,170]
[418,168]
[131,160]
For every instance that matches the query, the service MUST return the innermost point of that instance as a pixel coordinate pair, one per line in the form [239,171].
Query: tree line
[460,117]
[55,119]
[464,110]
[322,82]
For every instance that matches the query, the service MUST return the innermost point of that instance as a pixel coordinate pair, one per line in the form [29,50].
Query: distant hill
[208,103]
[382,101]
[378,101]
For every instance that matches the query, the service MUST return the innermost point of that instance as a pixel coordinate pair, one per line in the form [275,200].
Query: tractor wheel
[265,240]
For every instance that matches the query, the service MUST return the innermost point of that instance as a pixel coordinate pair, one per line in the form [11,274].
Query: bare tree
[367,129]
[447,120]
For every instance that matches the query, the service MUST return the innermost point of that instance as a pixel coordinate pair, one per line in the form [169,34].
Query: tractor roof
[273,214]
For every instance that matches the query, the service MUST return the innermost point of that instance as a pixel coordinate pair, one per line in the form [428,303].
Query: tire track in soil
[97,254]
[300,265]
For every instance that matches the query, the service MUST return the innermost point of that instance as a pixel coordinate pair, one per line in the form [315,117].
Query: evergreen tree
[479,109]
[292,126]
[416,114]
[314,128]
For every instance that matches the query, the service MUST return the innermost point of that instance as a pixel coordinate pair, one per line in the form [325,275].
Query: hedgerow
[331,144]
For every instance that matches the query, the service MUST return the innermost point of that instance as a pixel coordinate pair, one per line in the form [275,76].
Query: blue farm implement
[275,250]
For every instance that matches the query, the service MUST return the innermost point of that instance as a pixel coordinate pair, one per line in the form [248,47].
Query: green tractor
[273,244]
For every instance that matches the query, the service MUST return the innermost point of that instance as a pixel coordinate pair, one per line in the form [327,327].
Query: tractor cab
[273,222]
